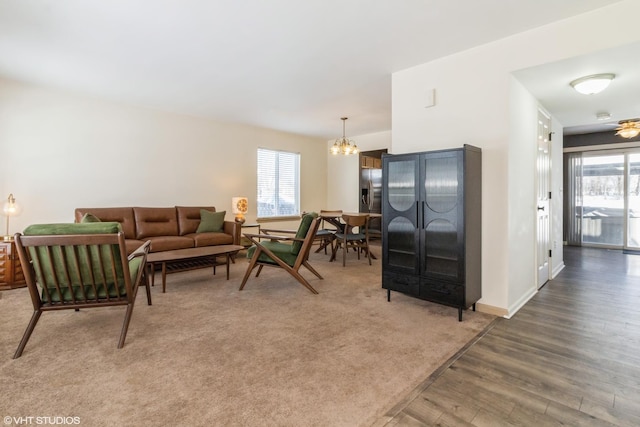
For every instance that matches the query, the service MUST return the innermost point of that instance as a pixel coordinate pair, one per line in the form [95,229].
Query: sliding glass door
[607,185]
[603,199]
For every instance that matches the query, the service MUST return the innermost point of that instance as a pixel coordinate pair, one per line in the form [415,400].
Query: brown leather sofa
[167,228]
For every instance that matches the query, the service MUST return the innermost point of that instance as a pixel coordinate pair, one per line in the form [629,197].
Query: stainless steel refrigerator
[371,196]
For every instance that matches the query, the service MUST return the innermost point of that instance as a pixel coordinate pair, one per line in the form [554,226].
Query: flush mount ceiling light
[628,128]
[595,83]
[344,145]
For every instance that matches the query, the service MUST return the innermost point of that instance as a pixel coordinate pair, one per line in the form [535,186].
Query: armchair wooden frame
[80,271]
[302,258]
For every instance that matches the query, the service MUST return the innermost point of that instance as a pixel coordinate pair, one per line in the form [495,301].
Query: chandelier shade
[344,145]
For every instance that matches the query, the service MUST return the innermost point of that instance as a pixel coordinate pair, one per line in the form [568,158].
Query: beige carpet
[206,354]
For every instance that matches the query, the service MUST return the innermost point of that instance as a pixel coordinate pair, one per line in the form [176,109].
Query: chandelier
[344,145]
[628,128]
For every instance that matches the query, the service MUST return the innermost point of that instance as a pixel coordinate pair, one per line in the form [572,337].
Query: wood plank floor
[570,356]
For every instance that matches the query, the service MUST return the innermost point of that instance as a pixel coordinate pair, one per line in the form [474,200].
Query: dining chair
[326,235]
[349,239]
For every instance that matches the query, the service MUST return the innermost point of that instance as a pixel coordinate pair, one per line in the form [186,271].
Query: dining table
[335,218]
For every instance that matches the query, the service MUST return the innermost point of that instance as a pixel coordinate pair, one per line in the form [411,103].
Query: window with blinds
[278,183]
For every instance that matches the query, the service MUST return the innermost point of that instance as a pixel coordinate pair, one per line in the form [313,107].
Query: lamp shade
[239,205]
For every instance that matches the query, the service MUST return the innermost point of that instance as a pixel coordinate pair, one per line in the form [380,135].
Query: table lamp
[10,208]
[239,206]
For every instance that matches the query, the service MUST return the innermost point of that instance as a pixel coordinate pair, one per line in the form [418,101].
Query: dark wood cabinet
[11,275]
[432,220]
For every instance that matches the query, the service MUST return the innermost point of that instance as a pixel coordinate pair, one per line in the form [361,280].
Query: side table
[11,274]
[243,240]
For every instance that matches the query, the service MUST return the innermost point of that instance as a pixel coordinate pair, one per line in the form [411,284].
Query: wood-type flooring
[569,357]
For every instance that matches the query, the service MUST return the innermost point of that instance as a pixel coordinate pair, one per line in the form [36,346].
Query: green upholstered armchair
[74,266]
[286,252]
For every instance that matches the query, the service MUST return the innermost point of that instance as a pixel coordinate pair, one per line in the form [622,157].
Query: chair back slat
[76,266]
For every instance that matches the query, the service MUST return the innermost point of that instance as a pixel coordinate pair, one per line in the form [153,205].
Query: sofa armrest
[233,228]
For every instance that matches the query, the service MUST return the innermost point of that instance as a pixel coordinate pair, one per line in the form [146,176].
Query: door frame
[543,143]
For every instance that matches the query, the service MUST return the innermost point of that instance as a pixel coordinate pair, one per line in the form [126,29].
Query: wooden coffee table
[190,259]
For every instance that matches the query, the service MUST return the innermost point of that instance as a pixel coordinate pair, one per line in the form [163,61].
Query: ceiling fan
[629,128]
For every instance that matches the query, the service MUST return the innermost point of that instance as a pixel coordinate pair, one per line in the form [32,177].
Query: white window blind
[278,183]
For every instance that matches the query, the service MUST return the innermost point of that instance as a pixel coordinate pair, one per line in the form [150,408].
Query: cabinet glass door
[399,211]
[442,202]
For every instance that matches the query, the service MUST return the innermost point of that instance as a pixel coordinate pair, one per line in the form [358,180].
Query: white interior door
[543,217]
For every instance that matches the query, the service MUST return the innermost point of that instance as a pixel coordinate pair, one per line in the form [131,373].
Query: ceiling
[291,65]
[549,83]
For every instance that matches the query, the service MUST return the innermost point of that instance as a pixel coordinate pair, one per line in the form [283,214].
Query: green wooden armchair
[286,252]
[74,266]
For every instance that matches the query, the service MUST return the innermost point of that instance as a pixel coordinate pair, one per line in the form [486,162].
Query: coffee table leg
[164,277]
[228,258]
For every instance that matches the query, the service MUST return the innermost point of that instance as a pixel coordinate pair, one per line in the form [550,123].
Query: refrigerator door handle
[370,195]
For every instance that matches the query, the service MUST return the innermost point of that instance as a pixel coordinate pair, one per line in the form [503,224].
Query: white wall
[522,213]
[60,151]
[343,182]
[478,102]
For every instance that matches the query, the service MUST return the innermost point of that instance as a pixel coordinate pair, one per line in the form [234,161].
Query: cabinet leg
[459,314]
[474,306]
[388,295]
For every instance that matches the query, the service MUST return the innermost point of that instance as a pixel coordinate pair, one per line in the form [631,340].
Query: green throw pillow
[210,221]
[90,218]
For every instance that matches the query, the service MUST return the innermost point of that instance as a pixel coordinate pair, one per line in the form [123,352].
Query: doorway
[606,187]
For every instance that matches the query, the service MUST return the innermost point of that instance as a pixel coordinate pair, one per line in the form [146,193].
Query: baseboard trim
[491,309]
[519,304]
[557,270]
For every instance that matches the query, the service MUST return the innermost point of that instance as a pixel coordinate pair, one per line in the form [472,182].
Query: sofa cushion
[211,221]
[279,249]
[211,239]
[169,243]
[305,223]
[152,222]
[122,215]
[72,228]
[89,218]
[189,218]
